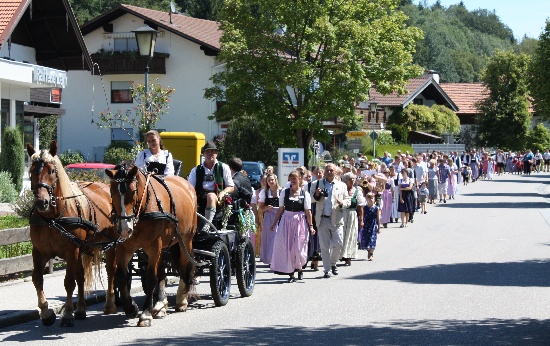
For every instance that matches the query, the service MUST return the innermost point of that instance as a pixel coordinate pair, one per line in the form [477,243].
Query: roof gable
[465,95]
[48,26]
[205,33]
[425,85]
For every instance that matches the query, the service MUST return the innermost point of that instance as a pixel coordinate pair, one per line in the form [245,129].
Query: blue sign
[291,158]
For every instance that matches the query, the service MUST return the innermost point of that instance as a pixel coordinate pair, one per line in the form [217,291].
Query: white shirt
[164,156]
[306,197]
[209,185]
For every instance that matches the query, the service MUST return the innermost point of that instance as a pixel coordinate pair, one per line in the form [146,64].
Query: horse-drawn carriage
[142,212]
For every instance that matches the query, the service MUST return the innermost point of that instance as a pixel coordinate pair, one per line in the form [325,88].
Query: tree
[539,138]
[12,157]
[505,119]
[539,74]
[296,64]
[148,111]
[204,9]
[47,128]
[437,119]
[249,139]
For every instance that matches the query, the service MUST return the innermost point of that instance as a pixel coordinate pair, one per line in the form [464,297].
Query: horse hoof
[133,312]
[181,308]
[144,323]
[49,320]
[67,322]
[145,319]
[109,310]
[159,310]
[160,314]
[80,315]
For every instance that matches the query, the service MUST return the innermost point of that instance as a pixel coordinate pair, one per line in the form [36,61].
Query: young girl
[371,221]
[424,192]
[466,173]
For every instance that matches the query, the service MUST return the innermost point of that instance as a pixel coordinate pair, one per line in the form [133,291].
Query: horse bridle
[123,183]
[49,188]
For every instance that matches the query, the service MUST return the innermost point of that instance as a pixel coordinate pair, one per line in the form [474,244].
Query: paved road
[473,271]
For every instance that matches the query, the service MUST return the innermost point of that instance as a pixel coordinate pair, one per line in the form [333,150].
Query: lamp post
[146,38]
[372,105]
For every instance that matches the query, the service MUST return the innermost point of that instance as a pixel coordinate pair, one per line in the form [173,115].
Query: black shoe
[327,275]
[300,275]
[334,270]
[291,279]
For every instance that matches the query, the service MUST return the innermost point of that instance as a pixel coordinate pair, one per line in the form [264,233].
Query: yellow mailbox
[184,146]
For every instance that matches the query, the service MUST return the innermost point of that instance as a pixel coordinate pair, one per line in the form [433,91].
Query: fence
[20,263]
[445,148]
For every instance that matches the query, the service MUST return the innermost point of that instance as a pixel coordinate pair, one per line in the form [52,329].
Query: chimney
[434,74]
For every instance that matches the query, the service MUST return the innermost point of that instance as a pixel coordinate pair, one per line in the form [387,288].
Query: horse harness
[60,223]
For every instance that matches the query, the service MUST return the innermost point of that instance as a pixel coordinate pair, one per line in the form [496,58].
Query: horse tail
[91,264]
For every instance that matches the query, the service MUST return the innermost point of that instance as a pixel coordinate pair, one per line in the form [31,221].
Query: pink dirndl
[290,244]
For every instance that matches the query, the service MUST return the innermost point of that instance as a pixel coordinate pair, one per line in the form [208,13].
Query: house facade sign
[50,77]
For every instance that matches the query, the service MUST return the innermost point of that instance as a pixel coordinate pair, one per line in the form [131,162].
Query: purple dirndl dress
[291,240]
[387,198]
[268,236]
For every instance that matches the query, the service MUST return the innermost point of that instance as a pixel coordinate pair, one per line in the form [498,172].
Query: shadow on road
[504,194]
[495,205]
[533,273]
[399,332]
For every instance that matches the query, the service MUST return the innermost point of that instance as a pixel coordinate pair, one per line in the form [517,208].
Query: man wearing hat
[212,181]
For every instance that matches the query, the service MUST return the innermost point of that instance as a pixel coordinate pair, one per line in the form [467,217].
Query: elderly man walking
[329,196]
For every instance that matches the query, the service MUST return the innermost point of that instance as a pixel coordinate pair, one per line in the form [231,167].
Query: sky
[524,17]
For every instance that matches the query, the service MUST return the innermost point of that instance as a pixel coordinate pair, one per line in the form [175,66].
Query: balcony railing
[129,63]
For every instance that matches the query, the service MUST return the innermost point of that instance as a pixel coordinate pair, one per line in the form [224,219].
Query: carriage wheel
[220,274]
[246,268]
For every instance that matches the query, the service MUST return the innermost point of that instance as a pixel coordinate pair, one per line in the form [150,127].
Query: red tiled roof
[465,95]
[201,31]
[394,99]
[206,31]
[10,11]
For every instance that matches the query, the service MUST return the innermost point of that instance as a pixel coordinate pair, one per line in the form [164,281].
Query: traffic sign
[373,135]
[356,134]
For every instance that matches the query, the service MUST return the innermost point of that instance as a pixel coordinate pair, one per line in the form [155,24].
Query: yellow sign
[356,134]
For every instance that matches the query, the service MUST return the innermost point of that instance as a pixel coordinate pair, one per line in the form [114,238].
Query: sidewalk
[19,303]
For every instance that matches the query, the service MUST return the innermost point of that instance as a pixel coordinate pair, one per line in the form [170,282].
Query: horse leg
[72,260]
[187,272]
[81,267]
[130,307]
[159,309]
[110,267]
[47,315]
[146,317]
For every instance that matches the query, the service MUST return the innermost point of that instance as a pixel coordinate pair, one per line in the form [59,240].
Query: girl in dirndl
[268,203]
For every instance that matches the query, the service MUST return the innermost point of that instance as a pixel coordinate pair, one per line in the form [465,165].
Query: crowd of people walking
[333,213]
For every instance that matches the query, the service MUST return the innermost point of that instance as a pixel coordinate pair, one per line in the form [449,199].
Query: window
[419,102]
[121,92]
[125,44]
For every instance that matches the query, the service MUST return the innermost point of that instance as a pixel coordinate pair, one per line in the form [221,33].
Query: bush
[8,193]
[120,144]
[70,156]
[23,204]
[12,156]
[399,133]
[115,155]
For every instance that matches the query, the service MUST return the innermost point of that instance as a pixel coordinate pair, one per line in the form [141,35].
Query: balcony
[129,63]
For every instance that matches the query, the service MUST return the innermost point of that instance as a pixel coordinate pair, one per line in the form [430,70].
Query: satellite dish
[173,7]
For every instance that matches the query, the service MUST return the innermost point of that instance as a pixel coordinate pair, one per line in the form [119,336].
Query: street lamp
[372,105]
[146,38]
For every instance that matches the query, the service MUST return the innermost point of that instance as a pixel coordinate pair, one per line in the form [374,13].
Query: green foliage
[457,42]
[296,64]
[539,74]
[203,9]
[8,193]
[505,119]
[86,10]
[14,250]
[13,221]
[23,204]
[538,138]
[392,149]
[385,138]
[250,139]
[120,144]
[115,155]
[399,133]
[70,156]
[47,128]
[149,110]
[12,156]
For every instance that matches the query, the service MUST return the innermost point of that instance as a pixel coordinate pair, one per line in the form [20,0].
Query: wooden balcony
[129,63]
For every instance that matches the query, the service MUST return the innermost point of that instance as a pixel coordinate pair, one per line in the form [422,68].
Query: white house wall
[188,72]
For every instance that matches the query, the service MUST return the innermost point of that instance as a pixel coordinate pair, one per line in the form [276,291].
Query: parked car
[88,171]
[254,171]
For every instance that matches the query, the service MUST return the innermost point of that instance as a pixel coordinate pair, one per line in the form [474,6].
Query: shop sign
[49,77]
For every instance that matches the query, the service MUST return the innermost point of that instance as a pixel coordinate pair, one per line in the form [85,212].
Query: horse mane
[68,188]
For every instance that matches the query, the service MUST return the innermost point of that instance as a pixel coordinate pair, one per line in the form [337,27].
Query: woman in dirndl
[291,239]
[352,207]
[268,203]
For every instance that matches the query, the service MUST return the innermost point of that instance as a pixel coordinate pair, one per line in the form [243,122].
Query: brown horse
[153,213]
[71,221]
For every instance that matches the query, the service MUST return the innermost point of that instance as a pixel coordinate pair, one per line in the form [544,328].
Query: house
[185,59]
[39,42]
[465,96]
